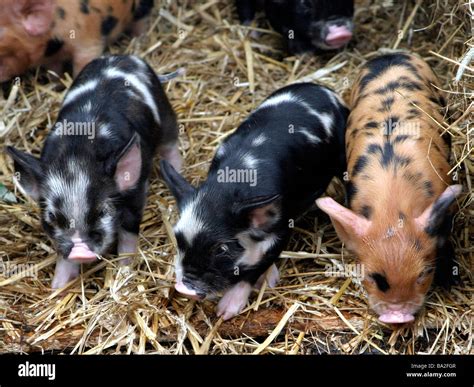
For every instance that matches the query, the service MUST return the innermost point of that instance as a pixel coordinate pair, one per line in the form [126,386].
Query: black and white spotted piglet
[233,227]
[91,178]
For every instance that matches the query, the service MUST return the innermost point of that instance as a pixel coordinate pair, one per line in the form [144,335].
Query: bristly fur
[91,182]
[404,170]
[231,232]
[93,23]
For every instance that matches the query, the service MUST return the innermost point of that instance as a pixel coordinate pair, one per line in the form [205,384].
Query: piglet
[307,25]
[50,33]
[399,189]
[91,179]
[233,227]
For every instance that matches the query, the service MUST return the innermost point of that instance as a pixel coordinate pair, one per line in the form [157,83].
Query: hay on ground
[228,72]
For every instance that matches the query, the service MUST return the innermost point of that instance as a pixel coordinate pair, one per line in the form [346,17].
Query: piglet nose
[338,36]
[396,313]
[81,253]
[398,317]
[190,293]
[395,307]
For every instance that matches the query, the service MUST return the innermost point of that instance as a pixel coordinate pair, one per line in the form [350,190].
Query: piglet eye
[222,249]
[52,217]
[95,236]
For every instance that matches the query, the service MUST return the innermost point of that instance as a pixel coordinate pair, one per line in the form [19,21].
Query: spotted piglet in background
[307,25]
[399,191]
[52,32]
[91,179]
[233,227]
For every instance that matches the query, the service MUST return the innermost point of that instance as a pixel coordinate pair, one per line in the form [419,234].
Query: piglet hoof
[233,301]
[64,273]
[272,276]
[229,307]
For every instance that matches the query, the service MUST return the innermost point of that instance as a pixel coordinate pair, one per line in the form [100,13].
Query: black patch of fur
[53,46]
[381,281]
[108,24]
[84,6]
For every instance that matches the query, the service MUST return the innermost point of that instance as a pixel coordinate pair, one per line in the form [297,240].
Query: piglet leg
[171,154]
[272,276]
[234,300]
[127,244]
[65,272]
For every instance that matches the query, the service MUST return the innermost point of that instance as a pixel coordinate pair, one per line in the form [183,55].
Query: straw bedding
[229,70]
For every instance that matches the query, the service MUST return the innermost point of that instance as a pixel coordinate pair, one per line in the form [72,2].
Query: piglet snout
[190,293]
[338,36]
[81,253]
[396,317]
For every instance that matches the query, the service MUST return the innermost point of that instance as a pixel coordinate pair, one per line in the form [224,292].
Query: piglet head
[79,196]
[328,24]
[219,239]
[398,261]
[24,31]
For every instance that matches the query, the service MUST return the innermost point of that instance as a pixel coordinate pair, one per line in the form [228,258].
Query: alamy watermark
[244,175]
[75,128]
[10,269]
[354,270]
[407,128]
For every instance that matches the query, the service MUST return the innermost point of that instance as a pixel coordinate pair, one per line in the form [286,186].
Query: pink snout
[190,293]
[81,253]
[396,317]
[338,36]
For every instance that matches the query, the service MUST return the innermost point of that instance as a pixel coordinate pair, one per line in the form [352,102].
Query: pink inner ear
[129,168]
[350,221]
[37,16]
[259,217]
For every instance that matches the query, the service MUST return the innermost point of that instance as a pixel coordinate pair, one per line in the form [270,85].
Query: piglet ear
[36,15]
[27,172]
[431,220]
[178,185]
[261,212]
[349,226]
[129,165]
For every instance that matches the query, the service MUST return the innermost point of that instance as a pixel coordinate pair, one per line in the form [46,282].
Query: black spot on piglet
[366,211]
[351,190]
[360,164]
[53,46]
[143,9]
[374,148]
[84,6]
[381,281]
[428,186]
[61,12]
[108,24]
[371,125]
